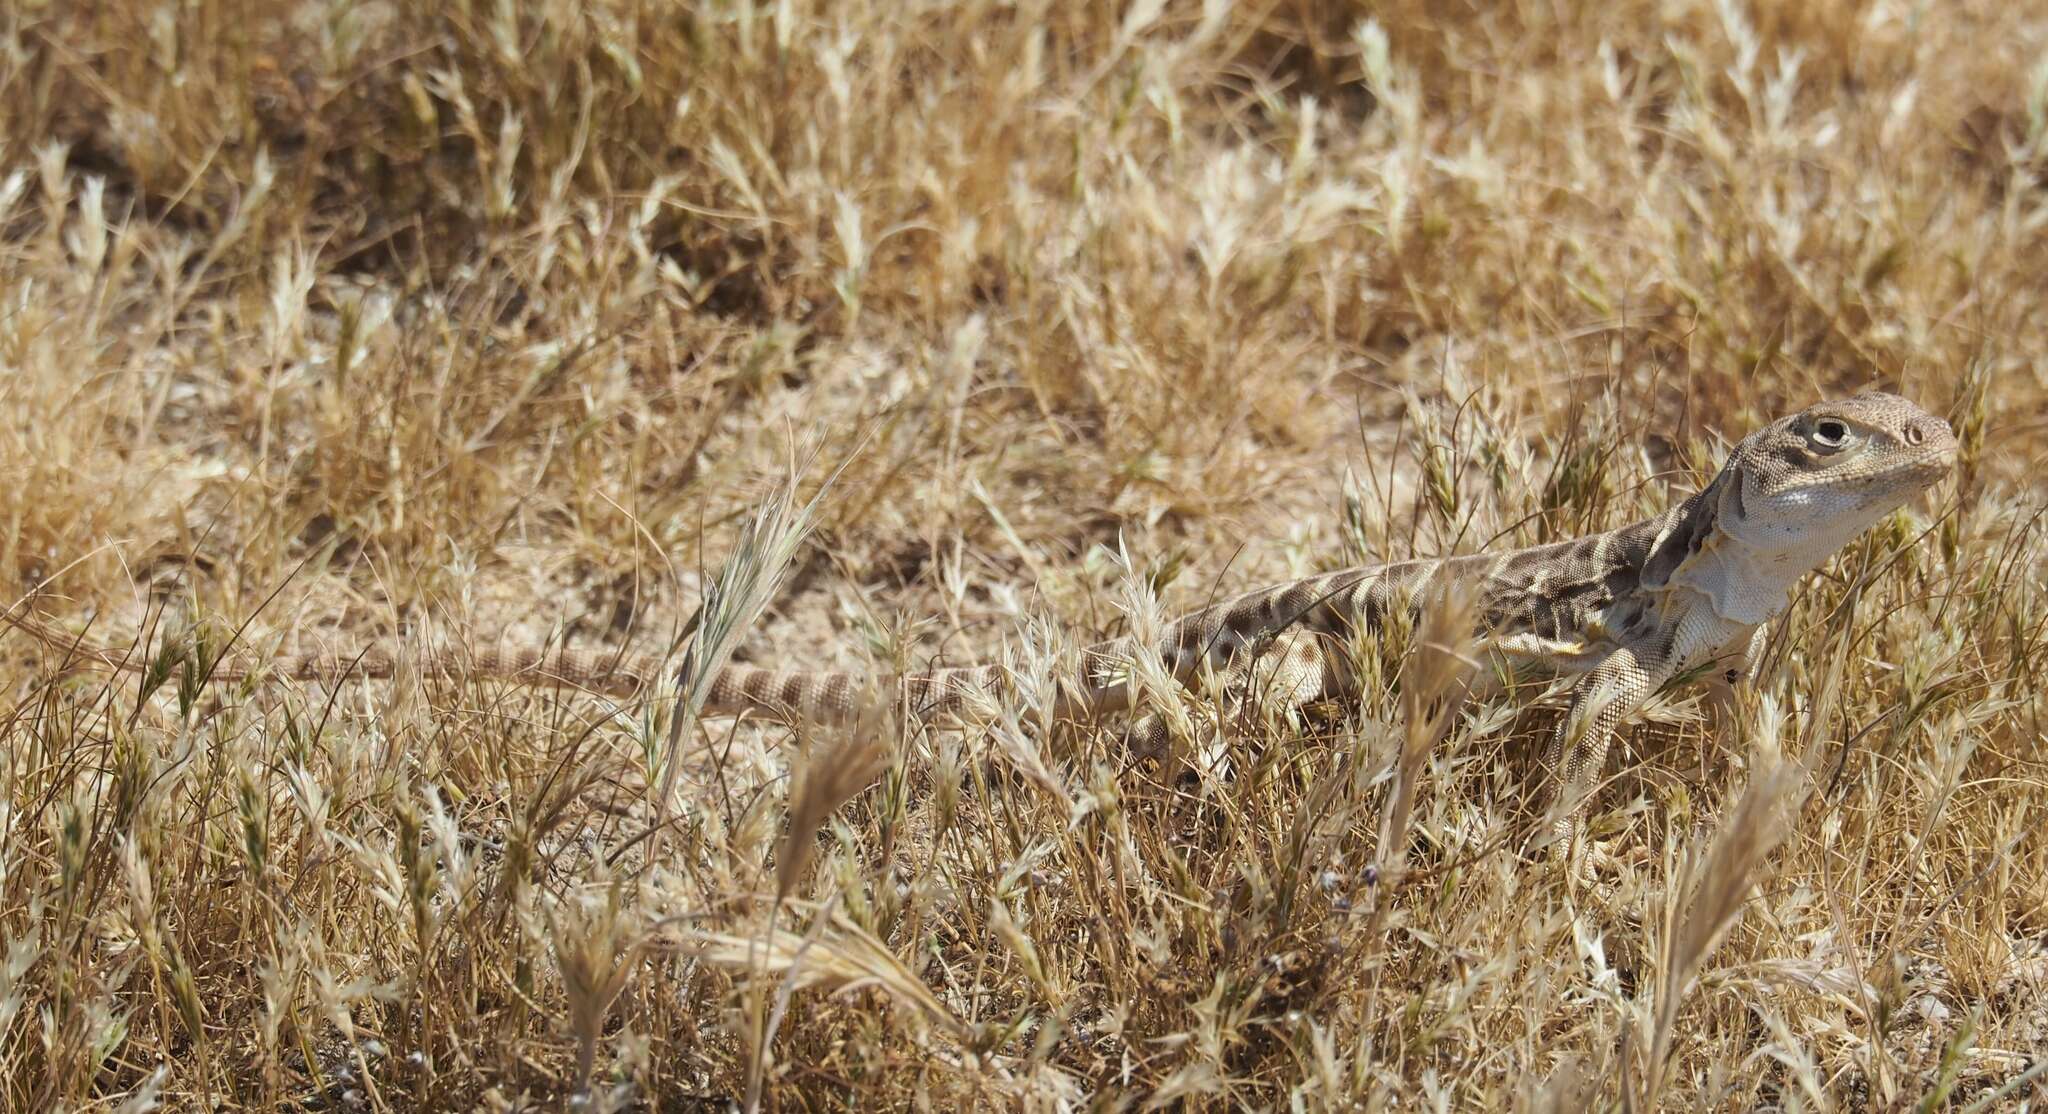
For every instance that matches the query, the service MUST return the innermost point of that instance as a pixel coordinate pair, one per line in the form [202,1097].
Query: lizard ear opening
[1688,531]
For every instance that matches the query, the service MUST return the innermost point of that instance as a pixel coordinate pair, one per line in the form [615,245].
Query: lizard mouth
[1928,470]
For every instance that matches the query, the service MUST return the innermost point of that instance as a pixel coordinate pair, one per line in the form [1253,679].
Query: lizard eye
[1830,434]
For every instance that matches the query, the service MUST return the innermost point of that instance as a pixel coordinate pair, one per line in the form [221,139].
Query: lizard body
[1680,594]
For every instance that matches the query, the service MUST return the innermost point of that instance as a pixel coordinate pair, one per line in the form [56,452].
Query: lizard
[1685,594]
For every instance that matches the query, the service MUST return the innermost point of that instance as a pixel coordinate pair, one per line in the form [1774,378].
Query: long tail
[832,697]
[1212,634]
[612,672]
[813,696]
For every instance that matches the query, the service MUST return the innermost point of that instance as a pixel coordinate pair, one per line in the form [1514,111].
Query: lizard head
[1793,493]
[1806,485]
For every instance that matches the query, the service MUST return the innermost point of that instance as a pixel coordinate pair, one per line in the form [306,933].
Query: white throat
[1746,583]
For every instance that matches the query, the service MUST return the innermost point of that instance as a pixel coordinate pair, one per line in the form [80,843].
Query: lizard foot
[1593,866]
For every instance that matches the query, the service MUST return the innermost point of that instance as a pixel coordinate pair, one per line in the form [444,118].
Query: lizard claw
[1599,859]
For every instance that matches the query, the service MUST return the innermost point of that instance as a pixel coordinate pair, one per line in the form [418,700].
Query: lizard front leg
[1578,749]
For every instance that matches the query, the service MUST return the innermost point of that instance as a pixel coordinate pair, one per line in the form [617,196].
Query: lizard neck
[1742,583]
[1744,567]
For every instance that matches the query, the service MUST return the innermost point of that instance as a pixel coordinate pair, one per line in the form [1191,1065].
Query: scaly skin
[1686,593]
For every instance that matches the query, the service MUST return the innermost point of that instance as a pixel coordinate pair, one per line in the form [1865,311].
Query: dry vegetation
[324,321]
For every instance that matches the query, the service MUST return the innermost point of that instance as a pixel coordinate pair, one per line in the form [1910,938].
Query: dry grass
[326,320]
